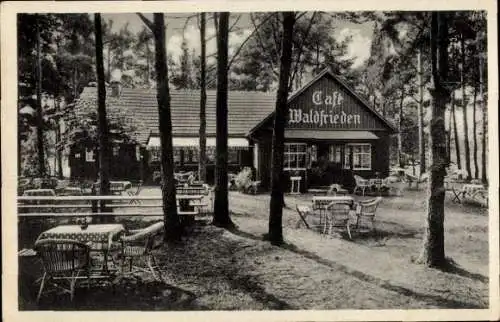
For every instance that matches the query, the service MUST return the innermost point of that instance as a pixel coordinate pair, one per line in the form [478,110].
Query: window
[138,155]
[361,156]
[193,155]
[177,155]
[295,156]
[210,154]
[314,153]
[155,154]
[89,155]
[335,153]
[232,155]
[116,150]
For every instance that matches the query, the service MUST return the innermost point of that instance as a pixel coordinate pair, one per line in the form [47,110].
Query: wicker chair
[361,185]
[365,212]
[337,216]
[335,189]
[138,247]
[63,260]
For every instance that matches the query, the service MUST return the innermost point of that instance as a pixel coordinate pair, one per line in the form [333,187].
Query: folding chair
[303,212]
[135,193]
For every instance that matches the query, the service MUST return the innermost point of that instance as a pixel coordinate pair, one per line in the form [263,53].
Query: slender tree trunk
[109,64]
[58,141]
[464,110]
[433,253]
[474,133]
[147,64]
[202,166]
[42,171]
[104,144]
[484,109]
[278,141]
[400,122]
[221,207]
[170,216]
[421,140]
[455,132]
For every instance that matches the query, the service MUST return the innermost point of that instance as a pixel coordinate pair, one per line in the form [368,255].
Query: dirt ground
[216,269]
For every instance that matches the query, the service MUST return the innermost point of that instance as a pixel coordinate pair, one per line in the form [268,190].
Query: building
[327,122]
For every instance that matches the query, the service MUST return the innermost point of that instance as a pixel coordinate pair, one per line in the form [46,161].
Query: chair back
[360,181]
[333,189]
[146,236]
[338,213]
[369,207]
[137,189]
[62,255]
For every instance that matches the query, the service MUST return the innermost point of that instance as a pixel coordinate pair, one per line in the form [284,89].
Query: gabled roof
[245,110]
[328,72]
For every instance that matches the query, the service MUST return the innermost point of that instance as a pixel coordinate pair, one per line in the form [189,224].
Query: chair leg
[42,284]
[72,287]
[348,231]
[151,268]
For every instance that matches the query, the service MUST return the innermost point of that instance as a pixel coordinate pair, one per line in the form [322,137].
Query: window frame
[333,149]
[287,163]
[353,153]
[89,152]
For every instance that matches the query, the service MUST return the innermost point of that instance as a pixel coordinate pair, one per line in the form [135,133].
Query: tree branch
[261,43]
[146,21]
[256,28]
[301,49]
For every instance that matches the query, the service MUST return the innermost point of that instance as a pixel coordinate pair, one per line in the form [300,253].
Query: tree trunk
[455,132]
[474,133]
[42,171]
[202,163]
[58,141]
[464,110]
[148,76]
[433,253]
[278,142]
[221,207]
[104,144]
[109,64]
[400,141]
[170,216]
[421,140]
[484,177]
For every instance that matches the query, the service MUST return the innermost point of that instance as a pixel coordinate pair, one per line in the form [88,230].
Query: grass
[216,269]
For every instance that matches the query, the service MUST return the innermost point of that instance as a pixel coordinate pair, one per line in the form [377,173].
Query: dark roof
[328,72]
[245,110]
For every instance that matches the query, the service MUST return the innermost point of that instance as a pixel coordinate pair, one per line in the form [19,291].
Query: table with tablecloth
[98,236]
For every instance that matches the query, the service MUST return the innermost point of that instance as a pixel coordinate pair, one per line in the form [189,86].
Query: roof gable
[328,103]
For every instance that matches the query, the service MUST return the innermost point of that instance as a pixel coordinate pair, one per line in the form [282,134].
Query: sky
[359,48]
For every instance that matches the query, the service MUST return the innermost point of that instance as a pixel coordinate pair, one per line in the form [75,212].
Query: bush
[243,178]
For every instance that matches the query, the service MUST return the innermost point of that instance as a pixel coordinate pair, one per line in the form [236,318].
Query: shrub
[243,179]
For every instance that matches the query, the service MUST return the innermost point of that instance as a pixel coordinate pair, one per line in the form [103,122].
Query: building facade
[329,128]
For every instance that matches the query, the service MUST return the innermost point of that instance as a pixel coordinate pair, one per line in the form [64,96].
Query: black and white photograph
[263,160]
